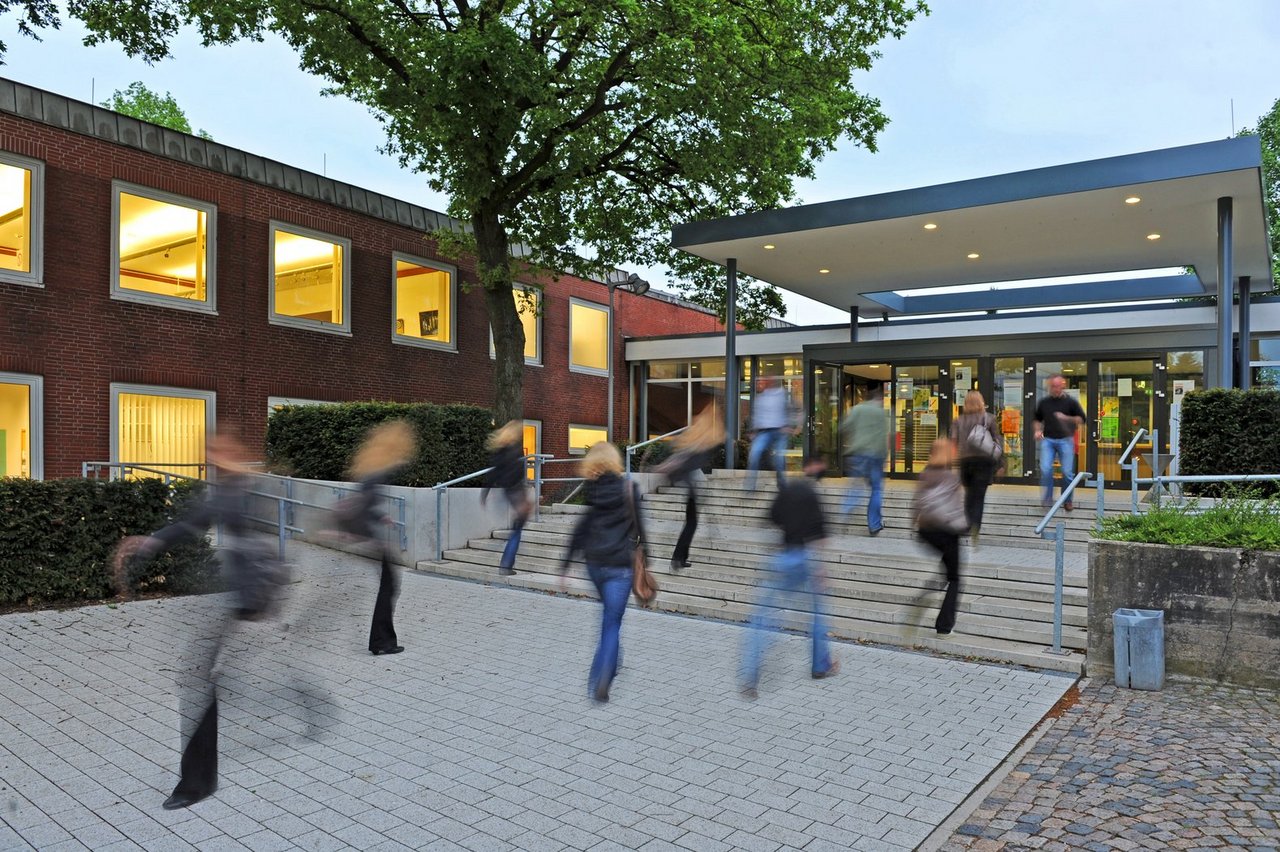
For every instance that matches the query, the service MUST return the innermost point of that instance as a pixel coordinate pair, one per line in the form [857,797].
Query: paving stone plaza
[480,736]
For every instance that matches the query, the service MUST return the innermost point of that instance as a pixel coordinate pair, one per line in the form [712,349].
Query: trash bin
[1139,648]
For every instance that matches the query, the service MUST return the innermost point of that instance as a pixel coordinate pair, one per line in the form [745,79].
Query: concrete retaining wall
[1222,608]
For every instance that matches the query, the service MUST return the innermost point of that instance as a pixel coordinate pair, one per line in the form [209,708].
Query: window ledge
[166,302]
[438,346]
[588,371]
[10,277]
[310,325]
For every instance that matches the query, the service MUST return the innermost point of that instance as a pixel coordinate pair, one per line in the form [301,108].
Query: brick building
[155,286]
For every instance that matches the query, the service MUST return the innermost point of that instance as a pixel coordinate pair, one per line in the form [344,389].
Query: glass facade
[423,299]
[163,252]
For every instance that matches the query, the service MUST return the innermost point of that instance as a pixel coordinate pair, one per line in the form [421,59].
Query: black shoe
[601,694]
[184,800]
[506,570]
[943,634]
[394,649]
[677,564]
[874,532]
[832,671]
[1067,505]
[748,691]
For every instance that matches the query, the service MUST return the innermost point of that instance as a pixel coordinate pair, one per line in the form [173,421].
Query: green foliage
[318,441]
[560,125]
[146,105]
[1235,522]
[32,15]
[1268,131]
[57,539]
[1228,431]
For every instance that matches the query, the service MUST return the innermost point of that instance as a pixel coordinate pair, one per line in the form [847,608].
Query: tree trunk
[494,258]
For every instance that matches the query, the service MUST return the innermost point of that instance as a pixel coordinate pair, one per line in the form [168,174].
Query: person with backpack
[980,446]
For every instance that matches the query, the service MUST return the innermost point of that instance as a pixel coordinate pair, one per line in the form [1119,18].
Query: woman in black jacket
[607,537]
[693,448]
[506,457]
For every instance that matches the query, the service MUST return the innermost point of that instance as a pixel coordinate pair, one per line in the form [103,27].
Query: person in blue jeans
[865,434]
[507,458]
[607,536]
[771,418]
[1056,419]
[798,512]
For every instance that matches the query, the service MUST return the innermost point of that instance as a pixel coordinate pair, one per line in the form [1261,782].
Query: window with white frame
[588,337]
[21,426]
[161,429]
[422,297]
[529,308]
[163,251]
[310,282]
[532,441]
[581,438]
[21,219]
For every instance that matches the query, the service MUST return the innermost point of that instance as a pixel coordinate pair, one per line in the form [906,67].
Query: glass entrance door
[824,419]
[1125,403]
[1076,374]
[917,393]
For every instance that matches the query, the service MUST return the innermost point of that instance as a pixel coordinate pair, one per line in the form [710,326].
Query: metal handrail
[631,449]
[1060,538]
[440,488]
[121,467]
[401,509]
[1063,500]
[1137,436]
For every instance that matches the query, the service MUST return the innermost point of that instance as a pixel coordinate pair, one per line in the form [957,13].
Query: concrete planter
[1222,608]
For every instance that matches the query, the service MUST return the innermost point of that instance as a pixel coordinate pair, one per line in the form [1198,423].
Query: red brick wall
[81,340]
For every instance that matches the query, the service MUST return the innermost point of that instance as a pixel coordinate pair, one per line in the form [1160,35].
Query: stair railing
[631,450]
[440,488]
[1059,559]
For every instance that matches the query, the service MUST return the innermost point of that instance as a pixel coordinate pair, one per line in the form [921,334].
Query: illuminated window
[422,293]
[160,429]
[21,216]
[21,435]
[529,307]
[588,337]
[532,441]
[164,248]
[310,281]
[582,437]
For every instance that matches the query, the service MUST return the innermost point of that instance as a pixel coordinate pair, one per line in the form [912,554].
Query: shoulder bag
[643,584]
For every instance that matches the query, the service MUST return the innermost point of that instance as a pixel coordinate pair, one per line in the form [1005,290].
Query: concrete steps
[884,589]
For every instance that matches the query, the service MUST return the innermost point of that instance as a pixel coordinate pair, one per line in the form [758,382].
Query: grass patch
[1232,522]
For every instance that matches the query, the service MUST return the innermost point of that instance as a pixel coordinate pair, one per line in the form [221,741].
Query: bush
[1234,522]
[1227,431]
[57,538]
[318,441]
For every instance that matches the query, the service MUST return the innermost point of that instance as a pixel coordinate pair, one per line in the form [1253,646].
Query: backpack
[981,442]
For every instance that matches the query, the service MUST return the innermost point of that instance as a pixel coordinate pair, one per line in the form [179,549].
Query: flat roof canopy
[1069,220]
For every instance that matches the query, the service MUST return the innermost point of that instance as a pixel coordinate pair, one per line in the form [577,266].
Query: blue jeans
[790,576]
[614,586]
[871,469]
[1065,450]
[774,442]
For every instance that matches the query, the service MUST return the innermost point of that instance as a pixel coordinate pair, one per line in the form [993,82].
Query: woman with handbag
[610,537]
[980,445]
[938,512]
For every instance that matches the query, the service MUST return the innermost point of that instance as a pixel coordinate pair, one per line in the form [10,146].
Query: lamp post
[639,286]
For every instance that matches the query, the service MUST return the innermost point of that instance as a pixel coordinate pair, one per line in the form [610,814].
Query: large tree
[1268,131]
[571,126]
[140,102]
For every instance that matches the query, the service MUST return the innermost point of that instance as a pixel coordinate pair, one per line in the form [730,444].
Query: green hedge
[318,441]
[1227,431]
[57,538]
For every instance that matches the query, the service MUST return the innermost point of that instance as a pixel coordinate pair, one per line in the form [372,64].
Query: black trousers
[681,553]
[199,767]
[382,633]
[947,544]
[975,477]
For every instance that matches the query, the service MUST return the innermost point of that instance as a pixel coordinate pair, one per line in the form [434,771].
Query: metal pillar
[1225,282]
[1246,374]
[731,364]
[853,323]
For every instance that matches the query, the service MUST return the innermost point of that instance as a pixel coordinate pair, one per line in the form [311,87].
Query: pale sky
[980,87]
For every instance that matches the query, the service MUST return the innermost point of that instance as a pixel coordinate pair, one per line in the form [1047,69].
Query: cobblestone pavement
[480,736]
[1190,767]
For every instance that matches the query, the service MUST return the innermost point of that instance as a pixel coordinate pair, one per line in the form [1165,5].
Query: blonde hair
[385,446]
[973,402]
[941,452]
[511,432]
[704,432]
[227,453]
[601,458]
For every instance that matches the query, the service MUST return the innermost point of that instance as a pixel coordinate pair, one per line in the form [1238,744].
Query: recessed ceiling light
[1132,199]
[973,255]
[930,226]
[769,246]
[824,271]
[1153,236]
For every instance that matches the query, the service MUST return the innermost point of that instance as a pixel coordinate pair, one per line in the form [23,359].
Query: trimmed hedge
[1227,431]
[318,441]
[57,538]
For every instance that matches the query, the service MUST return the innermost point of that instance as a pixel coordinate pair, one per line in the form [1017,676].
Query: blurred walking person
[864,432]
[938,512]
[693,449]
[254,579]
[608,536]
[798,513]
[981,450]
[772,419]
[507,458]
[386,449]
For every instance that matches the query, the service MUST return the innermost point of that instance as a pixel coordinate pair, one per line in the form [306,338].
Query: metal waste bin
[1139,648]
